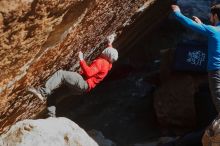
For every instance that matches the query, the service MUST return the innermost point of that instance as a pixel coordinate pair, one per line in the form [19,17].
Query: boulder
[174,103]
[46,132]
[39,37]
[174,99]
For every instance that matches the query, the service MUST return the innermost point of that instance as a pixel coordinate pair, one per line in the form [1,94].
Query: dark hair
[215,9]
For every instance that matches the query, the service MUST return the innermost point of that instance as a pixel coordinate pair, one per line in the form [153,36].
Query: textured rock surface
[39,37]
[46,132]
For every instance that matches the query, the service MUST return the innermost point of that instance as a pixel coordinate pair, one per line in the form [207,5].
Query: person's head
[111,54]
[215,14]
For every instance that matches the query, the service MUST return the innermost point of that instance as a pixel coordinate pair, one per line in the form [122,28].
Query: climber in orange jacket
[84,82]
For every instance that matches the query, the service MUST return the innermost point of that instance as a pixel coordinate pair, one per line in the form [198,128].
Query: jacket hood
[111,54]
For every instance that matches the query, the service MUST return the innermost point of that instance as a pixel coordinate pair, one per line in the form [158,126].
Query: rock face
[39,37]
[172,102]
[46,132]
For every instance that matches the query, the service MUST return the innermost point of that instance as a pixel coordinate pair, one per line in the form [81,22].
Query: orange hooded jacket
[96,72]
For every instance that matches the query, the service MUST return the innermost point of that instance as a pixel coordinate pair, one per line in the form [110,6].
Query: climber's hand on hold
[175,8]
[80,56]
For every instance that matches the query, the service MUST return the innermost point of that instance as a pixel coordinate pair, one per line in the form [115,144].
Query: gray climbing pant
[214,85]
[72,79]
